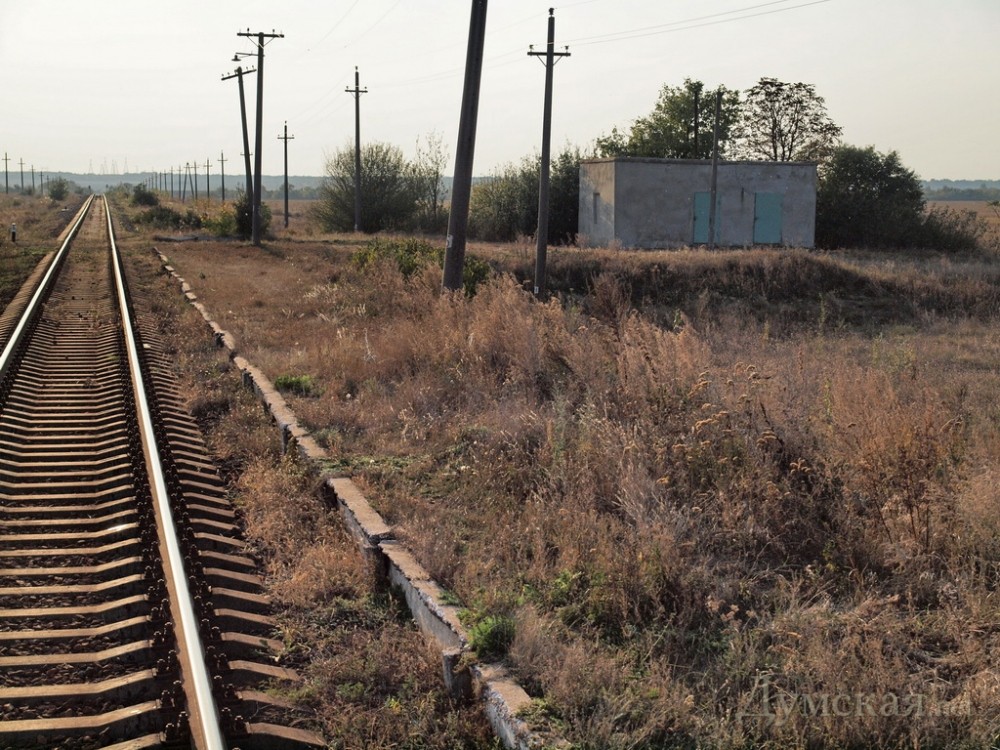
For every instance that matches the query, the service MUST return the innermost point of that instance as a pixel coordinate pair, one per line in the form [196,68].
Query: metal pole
[258,140]
[542,233]
[458,219]
[712,218]
[357,91]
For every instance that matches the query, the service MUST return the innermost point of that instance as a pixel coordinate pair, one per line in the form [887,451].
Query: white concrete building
[660,203]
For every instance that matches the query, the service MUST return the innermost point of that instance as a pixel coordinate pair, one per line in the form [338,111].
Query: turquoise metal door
[702,202]
[767,218]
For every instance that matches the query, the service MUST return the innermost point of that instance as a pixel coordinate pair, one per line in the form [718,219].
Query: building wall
[653,202]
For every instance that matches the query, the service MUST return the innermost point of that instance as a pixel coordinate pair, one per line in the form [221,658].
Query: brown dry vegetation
[690,477]
[39,222]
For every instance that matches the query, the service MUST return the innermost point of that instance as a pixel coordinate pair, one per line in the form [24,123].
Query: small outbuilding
[661,203]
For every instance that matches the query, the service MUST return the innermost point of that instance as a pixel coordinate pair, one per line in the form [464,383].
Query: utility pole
[6,175]
[194,182]
[697,97]
[222,166]
[461,191]
[32,179]
[171,183]
[542,233]
[286,138]
[357,91]
[187,173]
[246,137]
[712,218]
[22,175]
[208,185]
[261,36]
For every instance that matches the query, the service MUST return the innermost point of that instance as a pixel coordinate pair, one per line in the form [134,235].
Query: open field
[744,499]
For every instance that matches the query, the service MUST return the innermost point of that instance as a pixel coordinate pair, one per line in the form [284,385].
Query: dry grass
[39,222]
[779,467]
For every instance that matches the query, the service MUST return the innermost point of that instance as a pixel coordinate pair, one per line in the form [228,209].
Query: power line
[675,26]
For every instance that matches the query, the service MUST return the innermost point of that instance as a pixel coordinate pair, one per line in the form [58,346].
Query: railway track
[130,616]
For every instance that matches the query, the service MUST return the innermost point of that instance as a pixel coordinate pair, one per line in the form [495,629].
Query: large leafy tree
[785,122]
[680,125]
[868,199]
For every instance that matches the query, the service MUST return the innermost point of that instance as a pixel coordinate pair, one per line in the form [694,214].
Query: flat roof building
[661,203]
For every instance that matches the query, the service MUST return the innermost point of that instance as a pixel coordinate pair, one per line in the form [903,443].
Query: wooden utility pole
[194,181]
[461,191]
[22,175]
[246,136]
[6,175]
[286,138]
[261,36]
[542,233]
[222,165]
[208,185]
[32,179]
[713,197]
[357,91]
[171,183]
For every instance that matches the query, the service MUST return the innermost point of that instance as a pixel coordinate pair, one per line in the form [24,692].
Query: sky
[115,85]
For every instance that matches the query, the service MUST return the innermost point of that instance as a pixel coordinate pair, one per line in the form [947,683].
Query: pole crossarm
[239,72]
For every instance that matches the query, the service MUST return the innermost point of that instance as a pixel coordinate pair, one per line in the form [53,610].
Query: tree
[868,199]
[427,172]
[58,189]
[680,125]
[388,196]
[785,122]
[505,205]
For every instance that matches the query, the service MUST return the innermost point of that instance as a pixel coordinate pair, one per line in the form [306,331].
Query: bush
[58,189]
[389,196]
[163,217]
[411,255]
[243,216]
[142,196]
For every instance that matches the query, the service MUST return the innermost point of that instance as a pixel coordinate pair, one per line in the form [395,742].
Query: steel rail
[39,296]
[204,715]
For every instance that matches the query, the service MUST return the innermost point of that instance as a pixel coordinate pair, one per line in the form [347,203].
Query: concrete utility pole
[222,165]
[208,185]
[21,187]
[357,91]
[713,196]
[171,183]
[6,176]
[246,137]
[32,179]
[286,138]
[542,233]
[697,97]
[261,36]
[461,191]
[194,181]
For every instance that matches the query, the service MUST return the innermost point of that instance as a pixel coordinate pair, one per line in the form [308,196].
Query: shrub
[163,217]
[388,193]
[58,189]
[411,255]
[300,385]
[142,196]
[243,216]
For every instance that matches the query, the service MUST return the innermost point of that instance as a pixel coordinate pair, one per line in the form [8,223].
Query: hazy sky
[107,84]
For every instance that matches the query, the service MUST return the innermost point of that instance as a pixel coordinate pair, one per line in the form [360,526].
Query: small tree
[680,126]
[427,172]
[868,199]
[58,189]
[785,122]
[243,216]
[505,205]
[388,195]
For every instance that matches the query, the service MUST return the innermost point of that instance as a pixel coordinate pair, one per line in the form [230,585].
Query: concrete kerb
[437,619]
